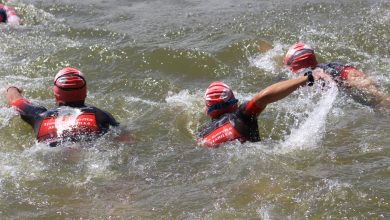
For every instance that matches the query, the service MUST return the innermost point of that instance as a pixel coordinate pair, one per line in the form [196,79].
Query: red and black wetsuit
[239,125]
[337,70]
[65,123]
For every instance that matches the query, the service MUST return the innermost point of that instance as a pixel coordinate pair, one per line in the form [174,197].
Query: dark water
[323,155]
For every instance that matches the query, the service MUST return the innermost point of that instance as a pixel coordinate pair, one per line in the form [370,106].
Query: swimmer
[8,15]
[300,58]
[72,120]
[234,121]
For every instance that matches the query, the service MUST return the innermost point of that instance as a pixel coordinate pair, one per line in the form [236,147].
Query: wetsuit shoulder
[249,112]
[103,117]
[249,109]
[332,68]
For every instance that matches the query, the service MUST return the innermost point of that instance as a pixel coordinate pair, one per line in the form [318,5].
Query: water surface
[324,155]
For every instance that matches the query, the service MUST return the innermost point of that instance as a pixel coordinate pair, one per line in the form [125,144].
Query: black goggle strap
[71,74]
[222,105]
[300,53]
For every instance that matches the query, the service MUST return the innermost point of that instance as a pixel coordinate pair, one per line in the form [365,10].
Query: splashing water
[310,132]
[5,116]
[183,98]
[267,61]
[190,104]
[67,119]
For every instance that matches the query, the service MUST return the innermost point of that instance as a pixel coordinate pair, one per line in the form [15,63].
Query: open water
[324,155]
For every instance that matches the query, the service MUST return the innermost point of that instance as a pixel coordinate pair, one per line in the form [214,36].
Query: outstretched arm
[282,89]
[12,94]
[357,79]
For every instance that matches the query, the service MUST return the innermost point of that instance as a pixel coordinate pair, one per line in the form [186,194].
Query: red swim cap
[219,99]
[300,56]
[69,86]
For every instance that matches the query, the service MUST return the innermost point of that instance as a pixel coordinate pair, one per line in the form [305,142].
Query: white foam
[264,212]
[21,165]
[183,98]
[66,120]
[5,116]
[136,99]
[310,132]
[191,105]
[267,61]
[37,149]
[6,168]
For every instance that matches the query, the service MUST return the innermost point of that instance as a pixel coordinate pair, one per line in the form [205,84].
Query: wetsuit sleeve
[250,109]
[111,120]
[28,111]
[106,119]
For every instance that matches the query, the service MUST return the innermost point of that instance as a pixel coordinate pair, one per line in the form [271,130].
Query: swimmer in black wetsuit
[72,120]
[233,121]
[300,57]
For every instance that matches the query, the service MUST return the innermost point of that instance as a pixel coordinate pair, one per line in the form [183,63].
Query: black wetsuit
[65,123]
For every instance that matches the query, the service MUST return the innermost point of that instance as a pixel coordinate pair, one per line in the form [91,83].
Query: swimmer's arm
[29,112]
[278,91]
[13,94]
[282,89]
[364,83]
[112,121]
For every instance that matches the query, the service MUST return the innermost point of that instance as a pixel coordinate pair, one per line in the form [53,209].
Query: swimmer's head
[219,99]
[70,87]
[3,15]
[300,56]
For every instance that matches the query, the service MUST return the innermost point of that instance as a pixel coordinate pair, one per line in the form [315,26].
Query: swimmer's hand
[14,87]
[13,93]
[323,79]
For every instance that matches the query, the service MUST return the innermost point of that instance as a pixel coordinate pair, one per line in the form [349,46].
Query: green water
[324,155]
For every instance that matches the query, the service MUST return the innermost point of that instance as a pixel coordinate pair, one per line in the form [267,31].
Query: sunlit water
[323,155]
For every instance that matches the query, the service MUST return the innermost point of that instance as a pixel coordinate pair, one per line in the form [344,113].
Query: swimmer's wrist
[310,78]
